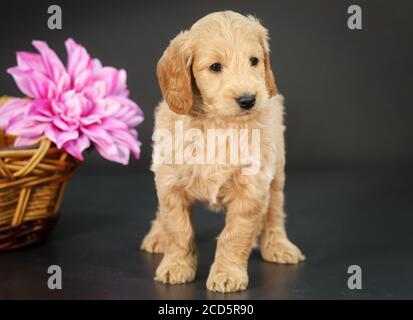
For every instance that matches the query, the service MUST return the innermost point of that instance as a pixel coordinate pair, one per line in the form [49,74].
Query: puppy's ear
[174,75]
[269,76]
[263,36]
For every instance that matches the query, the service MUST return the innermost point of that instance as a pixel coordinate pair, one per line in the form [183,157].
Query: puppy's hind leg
[274,243]
[155,238]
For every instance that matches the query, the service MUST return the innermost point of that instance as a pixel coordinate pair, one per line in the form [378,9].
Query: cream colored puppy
[217,75]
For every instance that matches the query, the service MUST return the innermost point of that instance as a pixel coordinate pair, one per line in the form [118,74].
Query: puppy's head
[224,59]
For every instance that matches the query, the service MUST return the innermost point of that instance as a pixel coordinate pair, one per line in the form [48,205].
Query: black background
[349,179]
[348,93]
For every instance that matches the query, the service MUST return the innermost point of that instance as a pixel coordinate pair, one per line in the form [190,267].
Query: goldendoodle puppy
[217,76]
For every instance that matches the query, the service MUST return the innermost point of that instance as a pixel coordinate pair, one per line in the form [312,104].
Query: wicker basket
[32,183]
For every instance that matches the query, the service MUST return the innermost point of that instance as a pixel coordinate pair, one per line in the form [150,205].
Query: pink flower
[76,106]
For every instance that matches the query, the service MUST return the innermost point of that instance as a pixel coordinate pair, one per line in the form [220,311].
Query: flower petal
[79,63]
[32,61]
[120,154]
[115,79]
[32,83]
[24,142]
[40,110]
[100,137]
[128,139]
[26,128]
[97,90]
[60,137]
[76,147]
[53,65]
[125,110]
[12,109]
[82,80]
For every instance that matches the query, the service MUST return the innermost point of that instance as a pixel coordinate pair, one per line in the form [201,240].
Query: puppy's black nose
[246,101]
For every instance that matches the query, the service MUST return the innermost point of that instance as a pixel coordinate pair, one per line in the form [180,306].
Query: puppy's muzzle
[246,101]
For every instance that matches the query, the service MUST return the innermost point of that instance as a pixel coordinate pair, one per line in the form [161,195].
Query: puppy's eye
[254,61]
[216,67]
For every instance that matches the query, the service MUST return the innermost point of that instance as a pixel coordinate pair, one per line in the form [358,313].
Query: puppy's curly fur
[203,99]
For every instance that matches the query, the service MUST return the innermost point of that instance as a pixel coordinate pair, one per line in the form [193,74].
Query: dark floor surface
[337,218]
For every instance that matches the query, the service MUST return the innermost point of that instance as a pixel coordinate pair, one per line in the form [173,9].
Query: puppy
[217,75]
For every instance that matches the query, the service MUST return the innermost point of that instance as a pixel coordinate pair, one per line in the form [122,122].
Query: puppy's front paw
[222,279]
[281,251]
[176,270]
